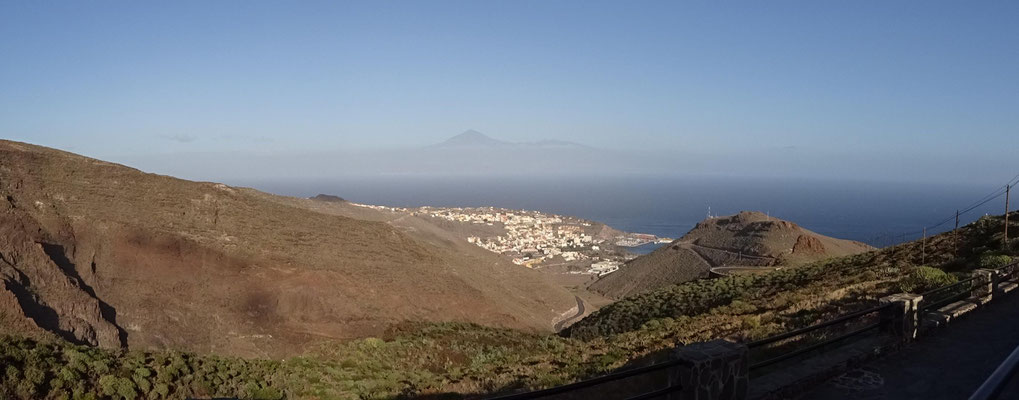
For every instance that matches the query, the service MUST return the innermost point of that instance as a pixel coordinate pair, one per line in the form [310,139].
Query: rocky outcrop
[39,285]
[808,245]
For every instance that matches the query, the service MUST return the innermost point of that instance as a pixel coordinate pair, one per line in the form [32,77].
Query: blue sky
[896,82]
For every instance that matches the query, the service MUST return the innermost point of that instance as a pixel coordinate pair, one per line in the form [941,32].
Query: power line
[1010,181]
[994,195]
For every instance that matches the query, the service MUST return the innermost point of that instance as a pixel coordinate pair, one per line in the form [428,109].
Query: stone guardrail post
[983,286]
[717,370]
[1005,275]
[902,318]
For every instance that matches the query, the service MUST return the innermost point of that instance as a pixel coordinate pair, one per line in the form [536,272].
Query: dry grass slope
[106,255]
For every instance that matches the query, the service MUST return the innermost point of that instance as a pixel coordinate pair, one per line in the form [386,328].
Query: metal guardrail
[1006,271]
[811,329]
[996,383]
[813,347]
[801,331]
[949,287]
[926,304]
[604,379]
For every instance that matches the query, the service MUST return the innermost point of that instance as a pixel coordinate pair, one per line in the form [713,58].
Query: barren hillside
[107,255]
[747,239]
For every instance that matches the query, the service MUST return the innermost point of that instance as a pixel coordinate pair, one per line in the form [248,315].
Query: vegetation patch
[924,278]
[60,370]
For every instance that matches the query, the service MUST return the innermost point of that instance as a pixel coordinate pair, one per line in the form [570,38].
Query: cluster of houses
[534,241]
[531,237]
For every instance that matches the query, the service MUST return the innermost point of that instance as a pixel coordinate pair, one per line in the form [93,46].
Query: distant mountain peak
[472,137]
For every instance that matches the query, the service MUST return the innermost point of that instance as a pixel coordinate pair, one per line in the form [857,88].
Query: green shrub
[126,389]
[108,384]
[161,390]
[924,278]
[993,261]
[751,322]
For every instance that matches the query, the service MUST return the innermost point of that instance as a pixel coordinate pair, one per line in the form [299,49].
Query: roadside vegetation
[453,360]
[924,278]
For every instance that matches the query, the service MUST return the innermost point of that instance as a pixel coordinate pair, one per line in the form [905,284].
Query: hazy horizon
[238,90]
[873,212]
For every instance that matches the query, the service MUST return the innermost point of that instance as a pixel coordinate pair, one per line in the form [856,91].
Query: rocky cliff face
[41,288]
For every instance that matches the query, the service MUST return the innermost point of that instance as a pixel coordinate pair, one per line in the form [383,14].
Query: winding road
[580,313]
[724,270]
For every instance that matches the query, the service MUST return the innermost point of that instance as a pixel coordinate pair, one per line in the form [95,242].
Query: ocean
[876,213]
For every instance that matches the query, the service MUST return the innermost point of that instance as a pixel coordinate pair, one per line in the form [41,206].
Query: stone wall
[715,370]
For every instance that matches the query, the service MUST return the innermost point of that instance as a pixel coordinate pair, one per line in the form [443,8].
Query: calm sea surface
[875,213]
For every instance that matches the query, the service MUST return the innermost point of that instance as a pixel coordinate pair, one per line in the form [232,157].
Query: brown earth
[107,255]
[747,239]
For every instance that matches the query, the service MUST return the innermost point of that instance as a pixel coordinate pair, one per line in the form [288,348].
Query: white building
[603,268]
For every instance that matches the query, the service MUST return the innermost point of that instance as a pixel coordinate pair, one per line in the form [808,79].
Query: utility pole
[956,233]
[1004,245]
[923,248]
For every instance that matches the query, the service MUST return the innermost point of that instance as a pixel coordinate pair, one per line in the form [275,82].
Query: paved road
[693,247]
[948,364]
[738,254]
[723,269]
[580,313]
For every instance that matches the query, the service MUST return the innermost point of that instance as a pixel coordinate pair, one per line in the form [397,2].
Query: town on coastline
[536,239]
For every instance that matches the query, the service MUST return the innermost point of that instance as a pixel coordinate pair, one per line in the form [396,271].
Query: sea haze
[876,213]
